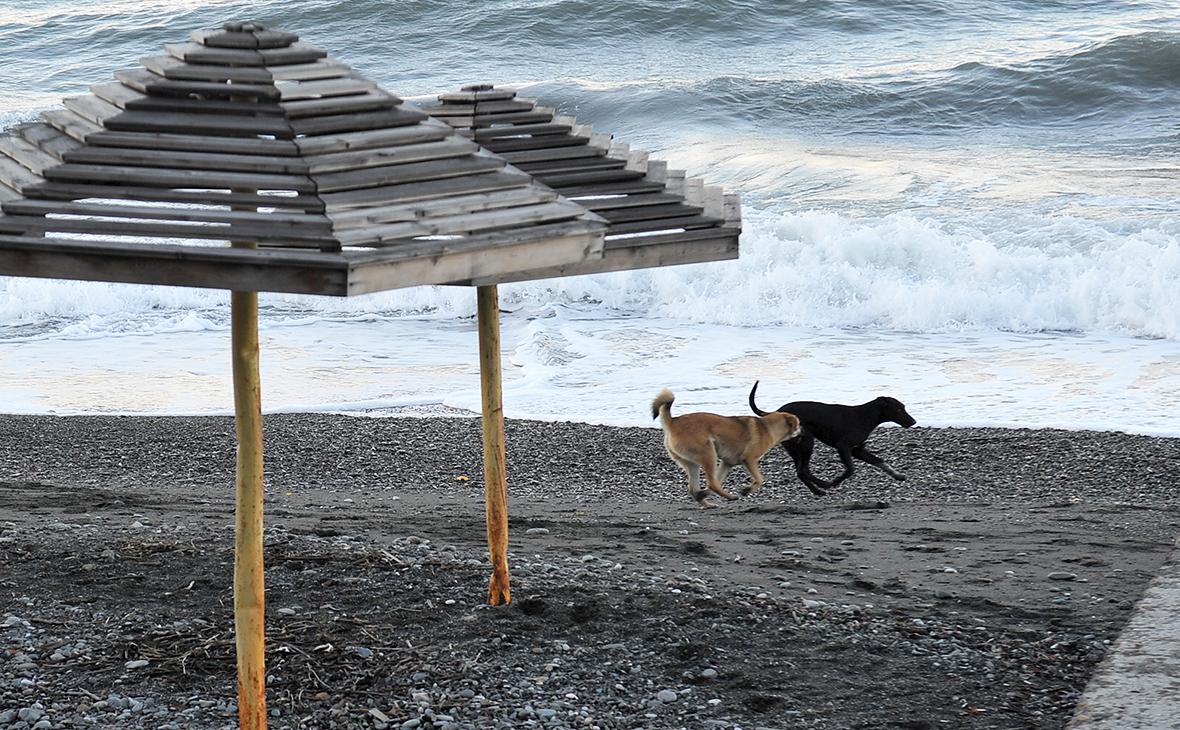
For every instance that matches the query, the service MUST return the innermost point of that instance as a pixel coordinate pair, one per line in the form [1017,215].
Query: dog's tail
[661,407]
[753,407]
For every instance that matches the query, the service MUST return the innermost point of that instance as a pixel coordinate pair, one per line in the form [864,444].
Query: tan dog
[715,444]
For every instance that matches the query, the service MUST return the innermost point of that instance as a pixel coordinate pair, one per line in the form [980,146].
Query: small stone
[709,673]
[810,604]
[667,695]
[287,611]
[537,531]
[137,664]
[43,725]
[1062,575]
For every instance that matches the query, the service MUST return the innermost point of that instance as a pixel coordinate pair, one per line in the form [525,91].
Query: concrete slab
[1137,685]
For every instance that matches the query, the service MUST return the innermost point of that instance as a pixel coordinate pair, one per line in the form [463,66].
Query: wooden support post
[495,476]
[249,579]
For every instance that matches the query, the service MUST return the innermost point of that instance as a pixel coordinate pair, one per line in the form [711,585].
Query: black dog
[844,428]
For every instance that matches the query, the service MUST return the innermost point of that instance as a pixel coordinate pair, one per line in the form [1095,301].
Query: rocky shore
[979,593]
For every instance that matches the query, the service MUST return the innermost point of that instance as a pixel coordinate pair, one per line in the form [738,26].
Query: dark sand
[980,593]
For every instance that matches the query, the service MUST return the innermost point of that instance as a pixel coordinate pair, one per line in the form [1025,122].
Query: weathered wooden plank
[437,207]
[47,138]
[397,155]
[185,160]
[579,191]
[408,173]
[116,175]
[78,191]
[322,69]
[368,101]
[477,108]
[127,98]
[733,210]
[241,37]
[548,154]
[642,226]
[166,142]
[313,221]
[628,201]
[17,176]
[198,53]
[210,267]
[586,164]
[502,145]
[208,124]
[288,236]
[488,95]
[649,213]
[27,154]
[395,117]
[520,130]
[540,115]
[70,123]
[171,68]
[147,82]
[461,223]
[371,139]
[423,190]
[324,88]
[92,109]
[472,257]
[639,252]
[714,202]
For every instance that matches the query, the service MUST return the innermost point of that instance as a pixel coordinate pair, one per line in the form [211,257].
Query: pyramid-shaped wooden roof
[323,182]
[657,216]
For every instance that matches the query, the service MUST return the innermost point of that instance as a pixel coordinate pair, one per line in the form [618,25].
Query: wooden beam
[249,576]
[495,475]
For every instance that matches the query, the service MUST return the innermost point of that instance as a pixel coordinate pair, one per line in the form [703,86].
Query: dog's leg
[849,469]
[800,449]
[694,478]
[755,475]
[872,459]
[711,473]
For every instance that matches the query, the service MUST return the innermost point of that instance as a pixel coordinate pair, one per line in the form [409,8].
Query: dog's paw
[746,491]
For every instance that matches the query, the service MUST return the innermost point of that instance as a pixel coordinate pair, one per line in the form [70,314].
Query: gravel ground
[980,593]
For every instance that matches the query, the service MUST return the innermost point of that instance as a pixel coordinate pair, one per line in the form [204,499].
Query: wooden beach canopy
[658,216]
[251,161]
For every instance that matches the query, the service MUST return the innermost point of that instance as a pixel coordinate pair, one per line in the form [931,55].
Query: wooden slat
[540,116]
[450,205]
[253,39]
[198,53]
[414,172]
[92,109]
[551,153]
[16,175]
[501,145]
[649,213]
[78,191]
[173,178]
[197,266]
[70,123]
[48,139]
[171,68]
[628,201]
[323,69]
[398,155]
[165,142]
[585,164]
[489,95]
[323,89]
[423,190]
[463,223]
[371,139]
[181,123]
[127,98]
[489,133]
[369,101]
[147,82]
[27,154]
[155,212]
[395,117]
[292,236]
[185,160]
[691,221]
[633,186]
[483,107]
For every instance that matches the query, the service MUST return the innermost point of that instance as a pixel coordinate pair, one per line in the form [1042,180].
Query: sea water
[971,206]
